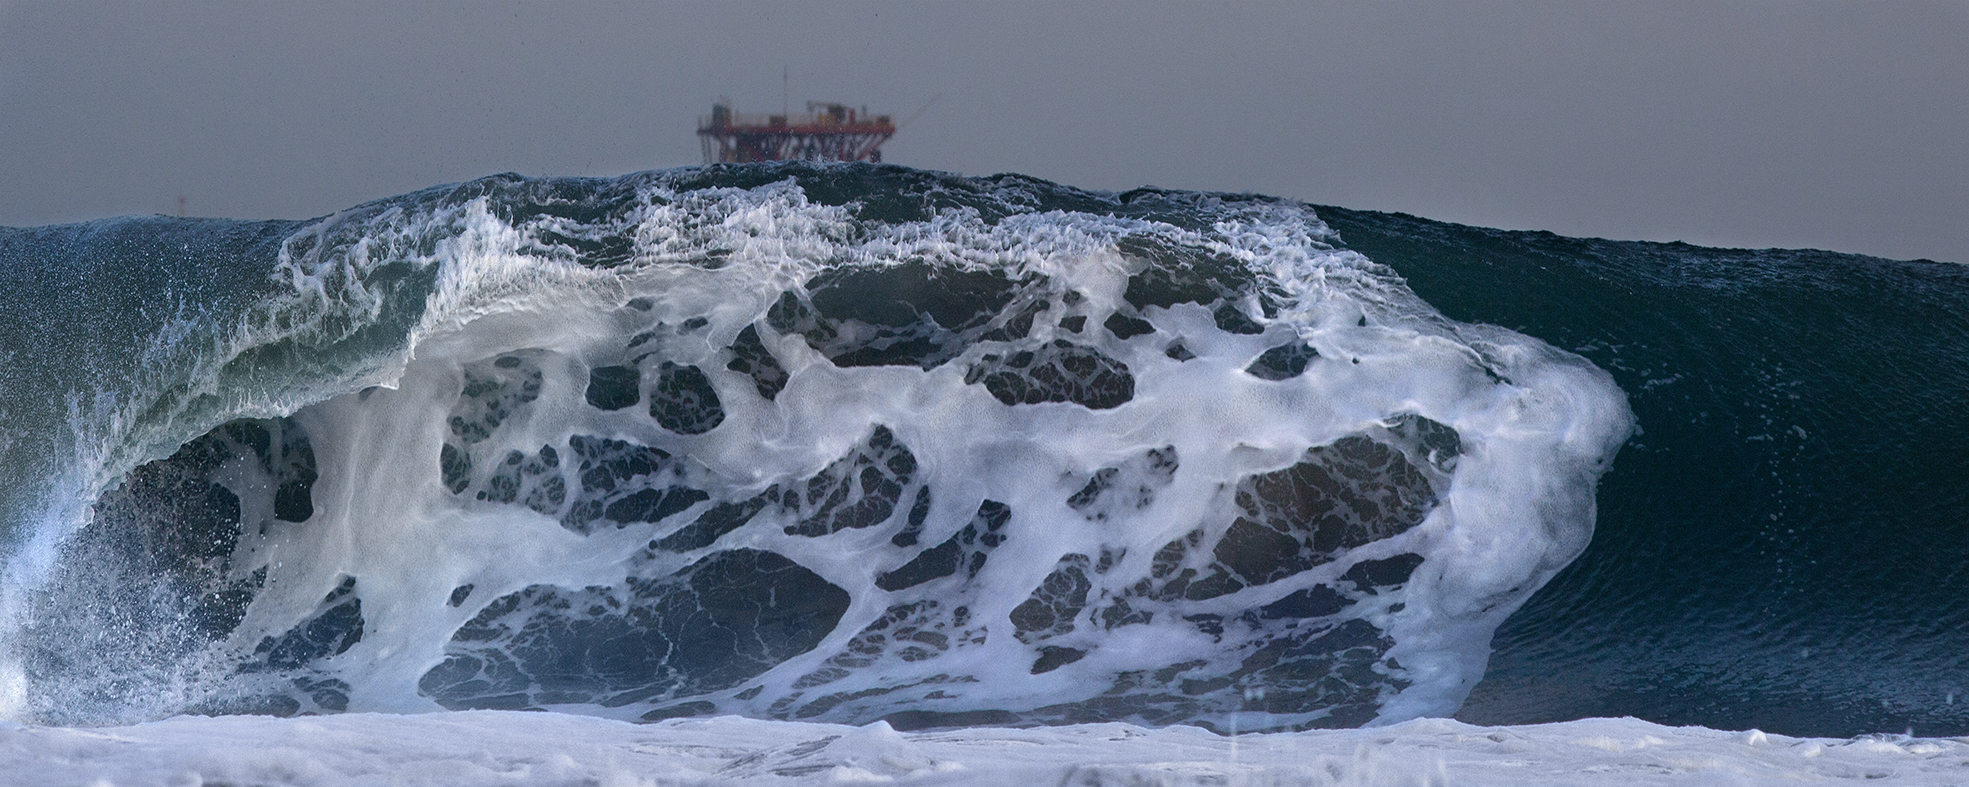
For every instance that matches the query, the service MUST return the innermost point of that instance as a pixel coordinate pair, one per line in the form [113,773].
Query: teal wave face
[1782,546]
[107,321]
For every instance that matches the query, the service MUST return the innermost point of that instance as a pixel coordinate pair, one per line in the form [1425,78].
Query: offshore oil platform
[828,132]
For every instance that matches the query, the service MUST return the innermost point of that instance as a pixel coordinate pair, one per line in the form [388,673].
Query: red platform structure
[828,132]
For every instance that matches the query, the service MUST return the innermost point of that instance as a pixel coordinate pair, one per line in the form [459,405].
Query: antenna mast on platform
[828,132]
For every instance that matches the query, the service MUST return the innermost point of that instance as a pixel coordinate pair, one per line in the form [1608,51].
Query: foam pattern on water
[848,443]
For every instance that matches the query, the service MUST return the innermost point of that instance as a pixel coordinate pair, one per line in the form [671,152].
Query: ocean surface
[1781,545]
[858,444]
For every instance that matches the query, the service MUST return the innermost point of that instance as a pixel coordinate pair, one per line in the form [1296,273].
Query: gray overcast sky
[1840,125]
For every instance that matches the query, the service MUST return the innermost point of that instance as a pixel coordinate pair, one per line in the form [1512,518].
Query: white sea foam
[475,748]
[1508,507]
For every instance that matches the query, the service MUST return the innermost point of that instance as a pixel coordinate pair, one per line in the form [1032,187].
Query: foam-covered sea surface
[501,748]
[867,445]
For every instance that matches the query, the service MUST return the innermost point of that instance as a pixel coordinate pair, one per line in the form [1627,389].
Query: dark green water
[1786,544]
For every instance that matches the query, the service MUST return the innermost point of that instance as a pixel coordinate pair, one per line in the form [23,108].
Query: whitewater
[792,473]
[515,748]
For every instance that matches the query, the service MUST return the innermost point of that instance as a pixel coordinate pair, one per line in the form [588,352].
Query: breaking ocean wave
[836,444]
